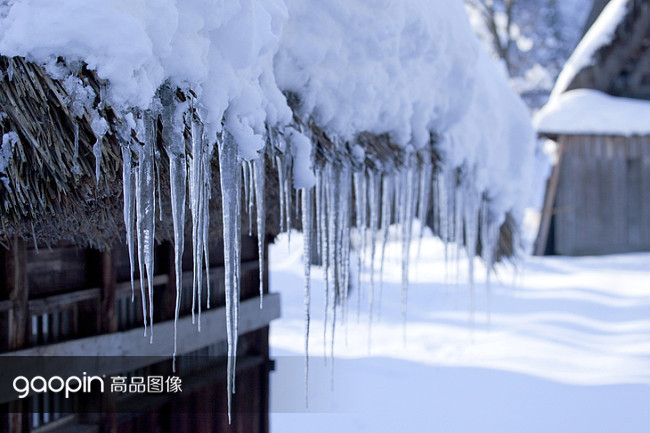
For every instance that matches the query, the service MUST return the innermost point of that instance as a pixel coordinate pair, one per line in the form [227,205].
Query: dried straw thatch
[49,191]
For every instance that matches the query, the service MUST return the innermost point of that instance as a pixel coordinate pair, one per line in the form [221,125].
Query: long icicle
[229,168]
[386,207]
[208,152]
[260,179]
[175,138]
[358,177]
[196,208]
[373,181]
[150,209]
[322,183]
[306,258]
[128,183]
[140,215]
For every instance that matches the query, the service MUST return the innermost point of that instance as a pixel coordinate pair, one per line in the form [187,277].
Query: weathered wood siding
[602,202]
[56,296]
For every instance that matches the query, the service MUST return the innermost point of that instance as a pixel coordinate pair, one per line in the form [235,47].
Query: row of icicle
[342,194]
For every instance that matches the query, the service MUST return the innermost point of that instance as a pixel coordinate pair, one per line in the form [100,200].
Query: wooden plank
[645,193]
[136,352]
[123,289]
[60,269]
[619,203]
[549,204]
[5,305]
[565,205]
[131,343]
[18,294]
[606,193]
[108,315]
[633,202]
[54,303]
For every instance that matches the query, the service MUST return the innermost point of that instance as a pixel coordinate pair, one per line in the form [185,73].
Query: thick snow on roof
[599,35]
[406,68]
[584,111]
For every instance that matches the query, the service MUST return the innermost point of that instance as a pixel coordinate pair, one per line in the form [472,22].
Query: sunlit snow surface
[558,345]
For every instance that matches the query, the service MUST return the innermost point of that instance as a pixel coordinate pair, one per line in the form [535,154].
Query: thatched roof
[622,66]
[49,191]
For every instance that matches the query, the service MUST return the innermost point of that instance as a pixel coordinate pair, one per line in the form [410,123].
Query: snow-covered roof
[600,34]
[408,69]
[585,111]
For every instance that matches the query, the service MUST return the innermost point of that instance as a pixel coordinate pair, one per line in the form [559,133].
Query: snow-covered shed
[166,155]
[596,199]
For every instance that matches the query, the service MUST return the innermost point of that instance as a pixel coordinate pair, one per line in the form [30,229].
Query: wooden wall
[64,293]
[602,202]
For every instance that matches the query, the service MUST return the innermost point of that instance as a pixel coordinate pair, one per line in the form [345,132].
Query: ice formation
[411,70]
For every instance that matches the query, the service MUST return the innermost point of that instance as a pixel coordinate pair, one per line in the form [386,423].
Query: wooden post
[18,294]
[17,421]
[549,203]
[108,316]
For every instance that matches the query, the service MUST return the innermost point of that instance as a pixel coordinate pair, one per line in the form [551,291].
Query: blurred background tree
[532,38]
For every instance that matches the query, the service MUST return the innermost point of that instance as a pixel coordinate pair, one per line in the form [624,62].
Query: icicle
[344,236]
[446,218]
[157,168]
[10,70]
[99,127]
[324,230]
[306,258]
[247,174]
[149,195]
[333,180]
[128,184]
[374,183]
[458,227]
[423,200]
[359,179]
[237,291]
[203,250]
[287,200]
[386,207]
[407,213]
[260,179]
[207,195]
[140,218]
[281,184]
[231,197]
[175,139]
[318,210]
[145,207]
[97,151]
[471,211]
[251,196]
[196,207]
[333,230]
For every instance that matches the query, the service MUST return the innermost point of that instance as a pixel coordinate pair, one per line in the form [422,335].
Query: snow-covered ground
[559,345]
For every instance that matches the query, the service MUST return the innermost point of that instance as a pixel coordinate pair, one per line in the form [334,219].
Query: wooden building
[70,301]
[65,287]
[596,199]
